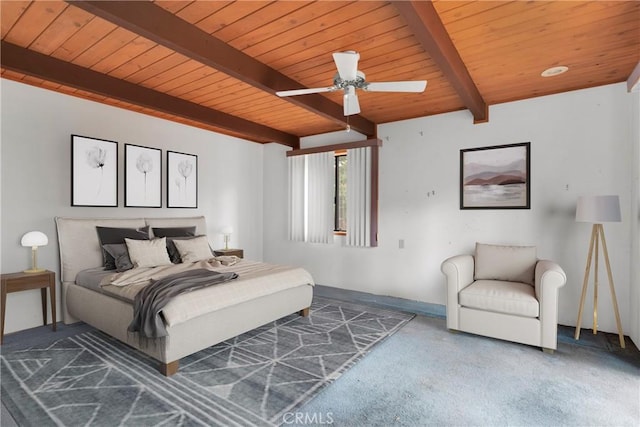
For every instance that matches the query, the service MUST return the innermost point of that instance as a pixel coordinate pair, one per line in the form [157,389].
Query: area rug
[254,379]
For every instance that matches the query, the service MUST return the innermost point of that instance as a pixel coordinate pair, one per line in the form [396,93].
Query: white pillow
[508,263]
[148,253]
[193,250]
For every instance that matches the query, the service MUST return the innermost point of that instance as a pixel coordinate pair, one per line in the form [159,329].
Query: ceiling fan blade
[305,91]
[407,86]
[347,64]
[350,102]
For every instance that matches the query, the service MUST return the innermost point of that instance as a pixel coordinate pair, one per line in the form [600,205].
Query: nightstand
[226,252]
[16,282]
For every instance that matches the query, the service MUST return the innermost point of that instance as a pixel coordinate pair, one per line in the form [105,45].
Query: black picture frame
[94,172]
[496,177]
[142,176]
[182,180]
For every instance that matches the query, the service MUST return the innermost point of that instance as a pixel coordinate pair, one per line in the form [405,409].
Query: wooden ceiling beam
[157,24]
[422,18]
[35,64]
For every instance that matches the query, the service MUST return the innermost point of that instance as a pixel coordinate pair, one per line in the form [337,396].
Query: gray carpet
[257,378]
[425,375]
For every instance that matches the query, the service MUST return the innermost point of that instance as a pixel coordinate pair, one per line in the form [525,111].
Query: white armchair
[504,292]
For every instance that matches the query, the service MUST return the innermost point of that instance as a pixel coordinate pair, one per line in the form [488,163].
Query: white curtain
[359,197]
[296,166]
[311,188]
[320,184]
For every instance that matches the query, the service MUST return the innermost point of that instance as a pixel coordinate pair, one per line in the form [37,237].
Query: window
[340,200]
[333,190]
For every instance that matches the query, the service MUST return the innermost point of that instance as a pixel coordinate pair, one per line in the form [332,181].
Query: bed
[196,320]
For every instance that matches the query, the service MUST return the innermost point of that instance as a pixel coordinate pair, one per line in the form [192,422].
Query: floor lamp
[596,210]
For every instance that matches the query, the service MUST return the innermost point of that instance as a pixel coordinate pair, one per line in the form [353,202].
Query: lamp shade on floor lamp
[598,209]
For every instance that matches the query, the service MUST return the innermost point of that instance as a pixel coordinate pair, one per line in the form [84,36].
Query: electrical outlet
[401,244]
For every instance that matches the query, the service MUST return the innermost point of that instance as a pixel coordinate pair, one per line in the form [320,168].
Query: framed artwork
[182,180]
[497,177]
[142,176]
[94,172]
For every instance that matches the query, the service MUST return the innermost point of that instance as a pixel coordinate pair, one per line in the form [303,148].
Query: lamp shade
[227,229]
[598,209]
[34,238]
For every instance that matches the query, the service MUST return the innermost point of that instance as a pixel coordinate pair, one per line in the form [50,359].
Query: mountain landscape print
[513,173]
[495,177]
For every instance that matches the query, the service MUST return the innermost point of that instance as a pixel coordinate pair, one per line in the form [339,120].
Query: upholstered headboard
[80,246]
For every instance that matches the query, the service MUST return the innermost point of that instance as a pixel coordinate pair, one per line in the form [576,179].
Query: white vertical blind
[296,166]
[320,176]
[359,197]
[311,188]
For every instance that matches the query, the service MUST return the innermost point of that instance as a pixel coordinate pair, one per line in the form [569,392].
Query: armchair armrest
[549,278]
[459,272]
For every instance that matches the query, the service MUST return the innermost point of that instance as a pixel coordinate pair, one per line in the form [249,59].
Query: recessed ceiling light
[554,71]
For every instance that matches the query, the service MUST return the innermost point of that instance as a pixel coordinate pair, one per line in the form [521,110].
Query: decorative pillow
[121,256]
[509,263]
[148,253]
[174,255]
[113,235]
[174,231]
[193,250]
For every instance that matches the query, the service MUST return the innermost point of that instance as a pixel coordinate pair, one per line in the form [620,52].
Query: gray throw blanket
[150,301]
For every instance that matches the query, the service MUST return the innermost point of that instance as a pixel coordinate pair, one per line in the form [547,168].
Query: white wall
[588,140]
[35,170]
[580,144]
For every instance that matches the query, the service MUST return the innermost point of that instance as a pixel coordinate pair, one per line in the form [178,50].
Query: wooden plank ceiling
[216,65]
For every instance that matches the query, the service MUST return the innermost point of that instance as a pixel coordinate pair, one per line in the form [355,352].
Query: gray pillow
[114,235]
[120,255]
[174,231]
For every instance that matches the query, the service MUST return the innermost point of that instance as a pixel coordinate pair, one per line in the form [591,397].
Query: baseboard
[400,304]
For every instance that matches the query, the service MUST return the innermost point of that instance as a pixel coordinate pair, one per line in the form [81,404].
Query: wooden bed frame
[80,250]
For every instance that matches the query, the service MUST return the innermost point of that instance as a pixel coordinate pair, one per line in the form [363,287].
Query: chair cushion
[502,297]
[509,263]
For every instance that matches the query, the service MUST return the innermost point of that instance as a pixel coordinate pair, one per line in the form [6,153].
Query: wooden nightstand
[16,282]
[222,252]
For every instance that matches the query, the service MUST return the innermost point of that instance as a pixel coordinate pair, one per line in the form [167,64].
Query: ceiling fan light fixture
[349,78]
[554,71]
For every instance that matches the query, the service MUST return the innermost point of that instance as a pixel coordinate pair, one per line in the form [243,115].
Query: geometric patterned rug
[257,378]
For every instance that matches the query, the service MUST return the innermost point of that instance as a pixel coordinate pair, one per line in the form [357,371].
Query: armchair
[504,292]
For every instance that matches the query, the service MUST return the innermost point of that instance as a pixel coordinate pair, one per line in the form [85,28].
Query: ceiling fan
[349,78]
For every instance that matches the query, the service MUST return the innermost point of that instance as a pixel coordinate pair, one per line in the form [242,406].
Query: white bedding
[255,279]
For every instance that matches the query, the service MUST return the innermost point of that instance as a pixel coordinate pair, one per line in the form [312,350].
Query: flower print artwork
[142,176]
[144,164]
[185,168]
[94,172]
[96,158]
[182,180]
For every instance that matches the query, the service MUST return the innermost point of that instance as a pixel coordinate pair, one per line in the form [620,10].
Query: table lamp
[227,236]
[596,210]
[34,239]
